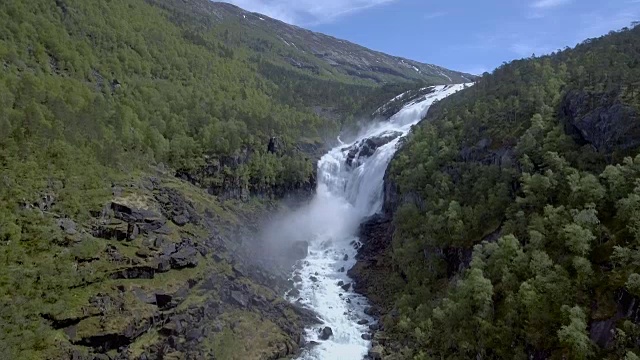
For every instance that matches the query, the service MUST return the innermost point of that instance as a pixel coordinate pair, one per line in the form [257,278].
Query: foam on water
[345,196]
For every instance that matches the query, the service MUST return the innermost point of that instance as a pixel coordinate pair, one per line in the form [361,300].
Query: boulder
[132,214]
[187,256]
[346,287]
[366,337]
[326,333]
[363,322]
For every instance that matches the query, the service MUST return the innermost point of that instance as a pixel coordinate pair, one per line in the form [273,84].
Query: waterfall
[350,183]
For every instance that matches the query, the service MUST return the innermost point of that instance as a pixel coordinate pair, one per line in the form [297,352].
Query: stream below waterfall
[350,189]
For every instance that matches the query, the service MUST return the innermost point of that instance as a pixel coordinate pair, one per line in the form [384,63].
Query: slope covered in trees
[516,213]
[95,96]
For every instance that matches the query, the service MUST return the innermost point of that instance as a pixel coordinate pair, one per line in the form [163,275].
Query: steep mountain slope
[510,226]
[307,51]
[139,148]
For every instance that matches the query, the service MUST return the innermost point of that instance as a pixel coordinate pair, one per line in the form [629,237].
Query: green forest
[524,239]
[92,92]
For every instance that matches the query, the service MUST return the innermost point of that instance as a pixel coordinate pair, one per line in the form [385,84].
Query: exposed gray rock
[180,220]
[326,333]
[185,257]
[367,147]
[602,120]
[68,226]
[240,298]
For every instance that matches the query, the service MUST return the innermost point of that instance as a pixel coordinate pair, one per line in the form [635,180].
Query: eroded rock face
[358,152]
[601,120]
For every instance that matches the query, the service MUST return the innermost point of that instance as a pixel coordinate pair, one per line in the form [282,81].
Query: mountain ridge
[318,53]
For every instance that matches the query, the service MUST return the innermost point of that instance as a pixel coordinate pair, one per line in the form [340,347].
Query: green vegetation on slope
[92,92]
[521,238]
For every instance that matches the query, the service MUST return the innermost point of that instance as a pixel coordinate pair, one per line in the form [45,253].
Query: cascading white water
[349,190]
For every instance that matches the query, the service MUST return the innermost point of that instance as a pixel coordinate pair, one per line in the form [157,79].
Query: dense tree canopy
[542,217]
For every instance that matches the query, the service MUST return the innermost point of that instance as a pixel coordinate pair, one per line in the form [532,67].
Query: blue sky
[467,35]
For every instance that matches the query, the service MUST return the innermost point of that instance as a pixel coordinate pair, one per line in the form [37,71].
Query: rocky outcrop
[364,149]
[601,120]
[602,331]
[158,261]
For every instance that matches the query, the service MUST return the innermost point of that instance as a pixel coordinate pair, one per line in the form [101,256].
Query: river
[350,183]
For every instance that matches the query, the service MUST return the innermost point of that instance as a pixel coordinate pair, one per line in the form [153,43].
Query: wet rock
[326,333]
[340,283]
[346,257]
[367,147]
[313,278]
[297,278]
[341,270]
[346,287]
[374,327]
[363,322]
[294,293]
[366,337]
[369,310]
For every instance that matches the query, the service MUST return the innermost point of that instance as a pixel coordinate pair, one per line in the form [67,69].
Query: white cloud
[547,4]
[304,12]
[438,14]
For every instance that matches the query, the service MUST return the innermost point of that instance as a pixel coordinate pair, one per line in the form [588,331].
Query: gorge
[350,189]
